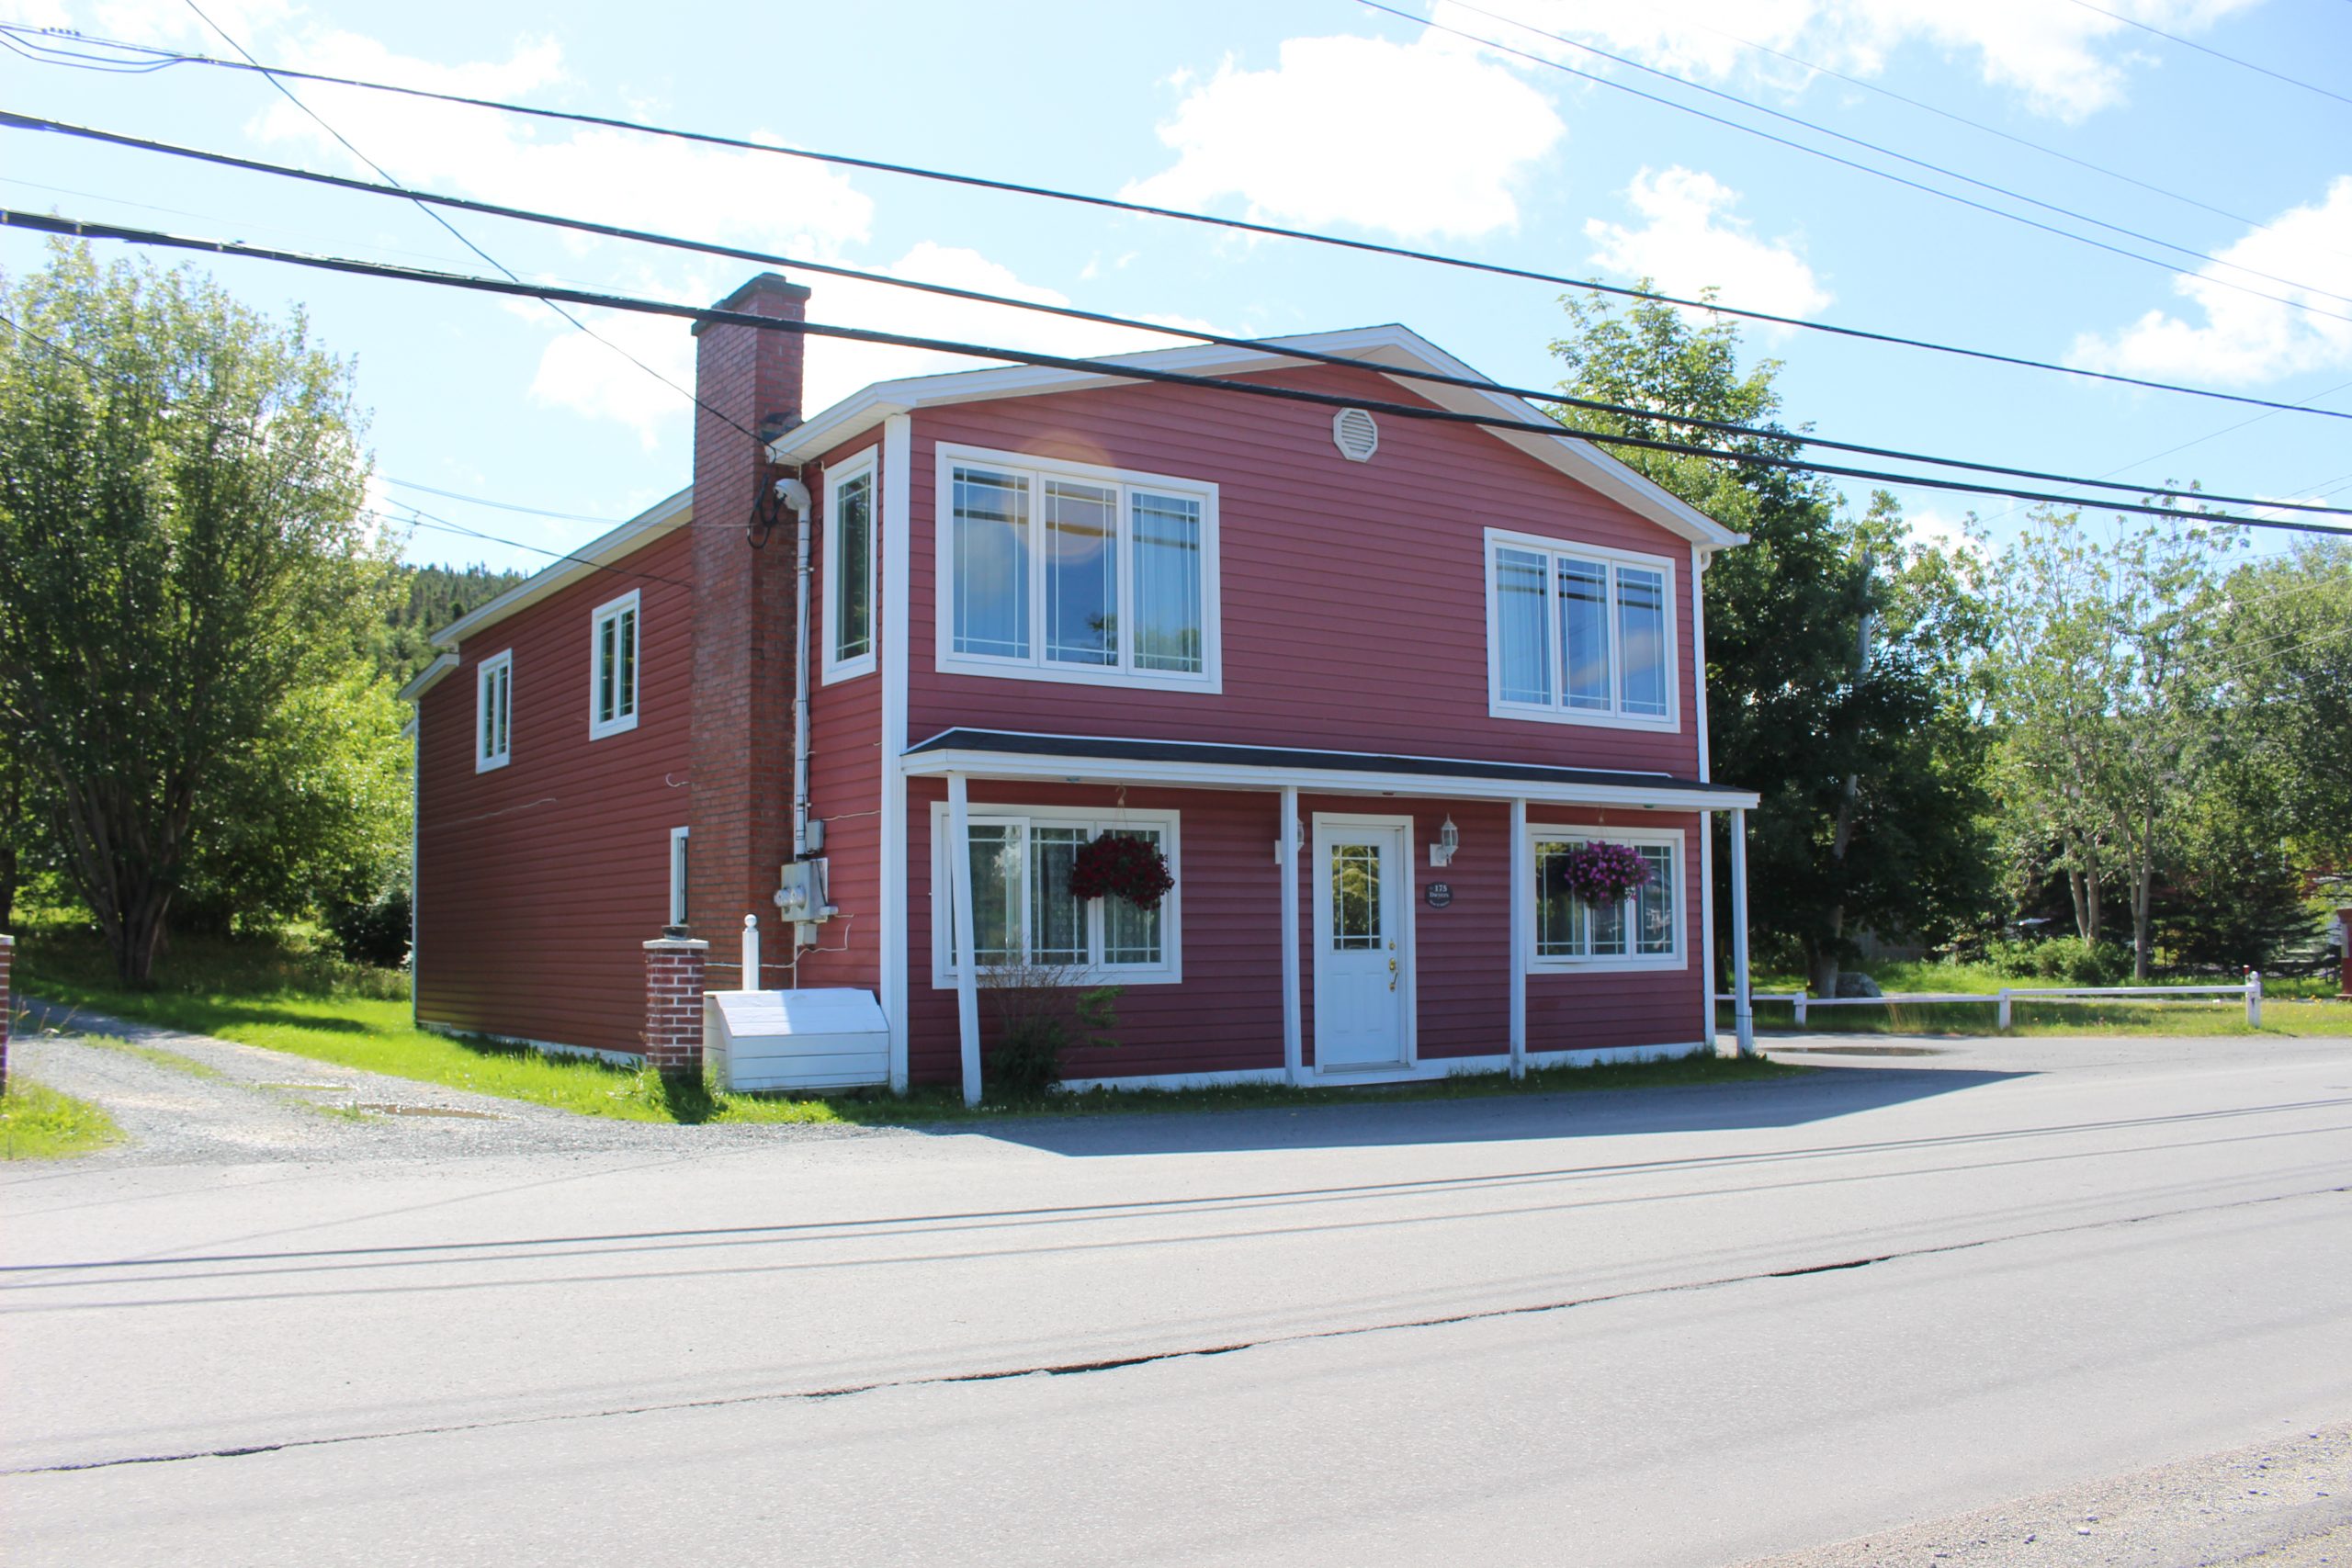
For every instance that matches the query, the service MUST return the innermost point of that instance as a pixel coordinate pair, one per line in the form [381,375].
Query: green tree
[1834,647]
[184,563]
[2280,660]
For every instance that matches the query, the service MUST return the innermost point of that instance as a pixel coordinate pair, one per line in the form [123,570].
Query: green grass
[288,997]
[38,1122]
[2299,1007]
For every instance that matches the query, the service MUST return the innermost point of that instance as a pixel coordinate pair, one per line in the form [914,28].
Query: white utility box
[814,1039]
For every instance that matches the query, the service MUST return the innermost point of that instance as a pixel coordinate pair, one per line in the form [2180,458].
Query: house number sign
[1441,895]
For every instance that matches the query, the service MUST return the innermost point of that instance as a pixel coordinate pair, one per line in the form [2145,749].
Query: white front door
[1363,979]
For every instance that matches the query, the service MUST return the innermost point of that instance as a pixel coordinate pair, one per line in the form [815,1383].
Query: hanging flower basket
[1603,874]
[1122,866]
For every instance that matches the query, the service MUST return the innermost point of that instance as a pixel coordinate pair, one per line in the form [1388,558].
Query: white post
[1286,851]
[1518,913]
[1742,1011]
[967,981]
[2253,999]
[1707,925]
[1800,1006]
[751,981]
[2005,1008]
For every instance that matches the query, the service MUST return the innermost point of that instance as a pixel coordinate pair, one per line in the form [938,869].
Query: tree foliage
[187,592]
[1834,651]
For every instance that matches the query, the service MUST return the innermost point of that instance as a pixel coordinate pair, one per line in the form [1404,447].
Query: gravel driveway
[194,1099]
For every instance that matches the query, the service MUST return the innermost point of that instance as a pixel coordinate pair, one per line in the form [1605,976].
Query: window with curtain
[1080,575]
[1579,635]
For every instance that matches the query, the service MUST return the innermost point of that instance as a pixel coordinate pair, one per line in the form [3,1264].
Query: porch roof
[1002,753]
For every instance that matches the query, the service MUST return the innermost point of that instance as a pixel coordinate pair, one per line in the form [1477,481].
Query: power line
[1884,151]
[1109,369]
[344,182]
[386,175]
[2208,48]
[1239,225]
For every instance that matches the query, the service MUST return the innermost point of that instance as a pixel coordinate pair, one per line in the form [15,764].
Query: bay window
[1641,930]
[1069,572]
[1578,635]
[1023,914]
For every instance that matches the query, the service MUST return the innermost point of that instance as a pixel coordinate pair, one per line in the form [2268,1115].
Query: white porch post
[1286,851]
[1707,927]
[1519,910]
[1743,1019]
[959,882]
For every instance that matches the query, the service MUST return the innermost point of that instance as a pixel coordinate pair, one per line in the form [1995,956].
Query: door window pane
[1081,573]
[1355,898]
[852,568]
[1641,635]
[1520,616]
[1058,919]
[990,555]
[1131,935]
[1167,537]
[1584,633]
[1654,903]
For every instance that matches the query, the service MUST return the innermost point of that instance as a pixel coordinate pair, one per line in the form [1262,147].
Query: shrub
[2068,960]
[1040,1010]
[374,932]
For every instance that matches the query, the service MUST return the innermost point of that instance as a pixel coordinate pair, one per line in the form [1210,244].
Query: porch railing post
[751,981]
[1800,1006]
[2007,1011]
[1286,854]
[1742,1011]
[967,972]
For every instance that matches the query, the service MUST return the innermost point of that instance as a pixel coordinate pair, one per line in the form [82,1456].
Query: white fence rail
[2008,996]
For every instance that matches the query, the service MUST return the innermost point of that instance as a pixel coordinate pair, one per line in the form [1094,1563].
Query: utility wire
[2208,48]
[1108,370]
[386,175]
[1882,152]
[9,120]
[1239,225]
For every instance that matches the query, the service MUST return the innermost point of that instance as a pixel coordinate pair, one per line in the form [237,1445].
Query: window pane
[1584,633]
[1654,904]
[1641,633]
[626,636]
[1557,928]
[1056,919]
[1166,532]
[1131,935]
[852,570]
[1519,621]
[505,705]
[989,557]
[604,670]
[1081,573]
[1607,923]
[1355,898]
[996,893]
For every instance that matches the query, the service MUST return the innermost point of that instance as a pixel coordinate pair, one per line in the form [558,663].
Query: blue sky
[1320,114]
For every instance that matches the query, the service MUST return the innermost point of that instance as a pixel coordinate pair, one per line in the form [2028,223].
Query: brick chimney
[744,613]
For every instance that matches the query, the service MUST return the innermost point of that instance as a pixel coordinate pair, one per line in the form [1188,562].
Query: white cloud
[1943,531]
[1415,139]
[2244,338]
[166,22]
[2066,61]
[1691,242]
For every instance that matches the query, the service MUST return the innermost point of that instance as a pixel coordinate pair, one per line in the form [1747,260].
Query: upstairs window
[612,668]
[849,570]
[1065,572]
[1577,634]
[1641,930]
[495,711]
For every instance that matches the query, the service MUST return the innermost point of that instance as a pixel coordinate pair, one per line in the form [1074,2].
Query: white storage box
[814,1039]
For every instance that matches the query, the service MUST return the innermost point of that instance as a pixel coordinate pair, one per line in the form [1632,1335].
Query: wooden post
[1743,1015]
[2004,1010]
[967,974]
[2253,999]
[751,980]
[1286,852]
[1519,902]
[1800,1009]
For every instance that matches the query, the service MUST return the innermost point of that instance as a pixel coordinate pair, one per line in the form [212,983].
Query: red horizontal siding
[537,882]
[1353,595]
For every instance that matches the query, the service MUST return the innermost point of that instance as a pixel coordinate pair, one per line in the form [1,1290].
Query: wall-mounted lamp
[1449,839]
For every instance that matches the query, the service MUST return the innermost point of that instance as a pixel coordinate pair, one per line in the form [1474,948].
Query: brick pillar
[673,1004]
[744,611]
[7,951]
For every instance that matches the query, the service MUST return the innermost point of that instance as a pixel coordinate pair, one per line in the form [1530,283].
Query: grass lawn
[2306,1006]
[289,996]
[38,1122]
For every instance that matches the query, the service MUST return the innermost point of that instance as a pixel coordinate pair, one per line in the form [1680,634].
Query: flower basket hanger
[1121,865]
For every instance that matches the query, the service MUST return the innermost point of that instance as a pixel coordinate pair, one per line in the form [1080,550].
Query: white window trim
[598,728]
[1037,667]
[868,465]
[679,838]
[501,661]
[1613,962]
[1169,970]
[1555,712]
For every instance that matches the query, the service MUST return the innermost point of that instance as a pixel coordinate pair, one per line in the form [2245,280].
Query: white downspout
[795,495]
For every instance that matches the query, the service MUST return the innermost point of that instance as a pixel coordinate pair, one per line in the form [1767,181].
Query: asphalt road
[1675,1328]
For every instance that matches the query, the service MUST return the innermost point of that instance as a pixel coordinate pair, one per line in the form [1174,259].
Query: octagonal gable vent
[1355,435]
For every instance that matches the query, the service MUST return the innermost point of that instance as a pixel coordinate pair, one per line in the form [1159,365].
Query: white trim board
[663,517]
[1439,1068]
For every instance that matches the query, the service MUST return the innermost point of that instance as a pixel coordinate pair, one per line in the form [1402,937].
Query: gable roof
[662,517]
[1380,348]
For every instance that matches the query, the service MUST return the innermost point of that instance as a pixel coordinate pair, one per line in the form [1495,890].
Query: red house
[1364,681]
